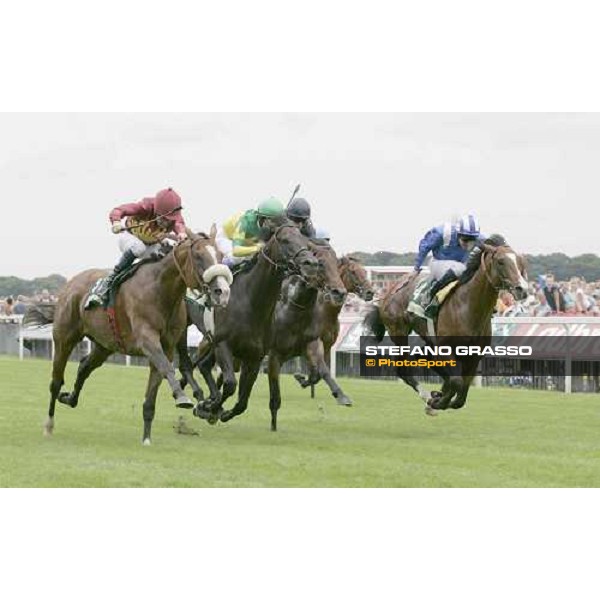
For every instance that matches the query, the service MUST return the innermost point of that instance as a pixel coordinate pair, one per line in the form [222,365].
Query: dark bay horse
[243,328]
[149,319]
[294,327]
[325,316]
[466,313]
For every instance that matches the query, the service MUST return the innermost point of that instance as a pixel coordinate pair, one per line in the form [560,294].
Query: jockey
[322,234]
[298,210]
[148,222]
[451,245]
[244,234]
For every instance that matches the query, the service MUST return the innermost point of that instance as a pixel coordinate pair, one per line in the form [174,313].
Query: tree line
[564,267]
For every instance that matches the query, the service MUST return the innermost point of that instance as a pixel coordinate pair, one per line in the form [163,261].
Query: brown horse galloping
[467,313]
[325,315]
[149,319]
[294,327]
[243,329]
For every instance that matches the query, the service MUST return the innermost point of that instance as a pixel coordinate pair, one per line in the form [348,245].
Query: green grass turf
[502,438]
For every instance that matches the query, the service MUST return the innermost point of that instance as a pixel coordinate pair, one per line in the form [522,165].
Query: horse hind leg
[87,365]
[62,351]
[149,408]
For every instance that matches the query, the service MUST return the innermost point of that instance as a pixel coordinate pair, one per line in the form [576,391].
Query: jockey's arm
[433,239]
[241,251]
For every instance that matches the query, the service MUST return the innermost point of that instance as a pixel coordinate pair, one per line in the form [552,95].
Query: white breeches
[438,267]
[128,241]
[224,244]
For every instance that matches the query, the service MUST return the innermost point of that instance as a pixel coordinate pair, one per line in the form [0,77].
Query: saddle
[244,265]
[201,311]
[99,288]
[422,297]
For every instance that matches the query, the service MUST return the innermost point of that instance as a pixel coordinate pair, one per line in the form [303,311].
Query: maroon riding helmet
[167,204]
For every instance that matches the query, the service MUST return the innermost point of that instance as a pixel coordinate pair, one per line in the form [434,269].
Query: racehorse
[149,317]
[466,313]
[325,316]
[243,328]
[294,326]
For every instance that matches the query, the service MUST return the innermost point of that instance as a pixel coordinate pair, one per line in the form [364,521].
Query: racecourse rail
[348,341]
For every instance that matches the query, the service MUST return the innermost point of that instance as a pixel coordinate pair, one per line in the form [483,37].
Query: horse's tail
[373,323]
[39,314]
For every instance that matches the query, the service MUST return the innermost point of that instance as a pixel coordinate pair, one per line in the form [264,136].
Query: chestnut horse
[466,313]
[149,318]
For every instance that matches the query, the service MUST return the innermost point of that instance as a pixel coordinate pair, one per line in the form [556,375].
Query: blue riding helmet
[468,226]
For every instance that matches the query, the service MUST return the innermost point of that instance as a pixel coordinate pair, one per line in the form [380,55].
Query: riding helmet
[167,203]
[468,226]
[271,207]
[299,208]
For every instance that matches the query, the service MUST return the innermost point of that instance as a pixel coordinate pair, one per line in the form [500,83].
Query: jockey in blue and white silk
[450,244]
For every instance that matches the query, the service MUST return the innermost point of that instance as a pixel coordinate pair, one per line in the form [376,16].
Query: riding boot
[126,261]
[99,294]
[432,308]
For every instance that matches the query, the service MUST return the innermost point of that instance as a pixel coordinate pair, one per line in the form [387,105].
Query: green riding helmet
[272,207]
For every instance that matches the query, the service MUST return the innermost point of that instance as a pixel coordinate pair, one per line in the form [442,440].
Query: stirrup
[432,309]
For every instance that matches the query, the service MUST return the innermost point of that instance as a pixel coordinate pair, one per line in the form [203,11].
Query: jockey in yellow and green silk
[244,234]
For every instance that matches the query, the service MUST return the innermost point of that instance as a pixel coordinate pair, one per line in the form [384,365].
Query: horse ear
[191,235]
[213,233]
[488,247]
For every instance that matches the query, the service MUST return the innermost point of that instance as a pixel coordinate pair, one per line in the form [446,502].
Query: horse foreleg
[247,378]
[274,389]
[205,366]
[315,354]
[149,408]
[186,368]
[152,348]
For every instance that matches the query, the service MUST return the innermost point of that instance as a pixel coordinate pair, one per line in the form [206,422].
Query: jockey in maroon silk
[147,223]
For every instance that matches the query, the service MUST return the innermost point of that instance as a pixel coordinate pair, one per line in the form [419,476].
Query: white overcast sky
[376,181]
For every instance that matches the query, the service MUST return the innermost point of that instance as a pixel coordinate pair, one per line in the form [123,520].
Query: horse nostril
[218,291]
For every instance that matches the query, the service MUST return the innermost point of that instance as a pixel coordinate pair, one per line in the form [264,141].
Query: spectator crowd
[550,297]
[14,307]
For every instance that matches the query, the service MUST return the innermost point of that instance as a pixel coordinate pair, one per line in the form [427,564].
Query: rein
[504,285]
[200,285]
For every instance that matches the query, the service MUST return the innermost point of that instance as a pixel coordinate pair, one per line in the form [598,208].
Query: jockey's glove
[117,227]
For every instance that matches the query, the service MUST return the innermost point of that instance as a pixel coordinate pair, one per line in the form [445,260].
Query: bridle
[199,284]
[505,284]
[361,289]
[289,266]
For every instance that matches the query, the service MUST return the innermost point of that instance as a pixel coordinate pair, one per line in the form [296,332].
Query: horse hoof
[431,412]
[344,401]
[184,402]
[299,377]
[67,398]
[147,442]
[226,415]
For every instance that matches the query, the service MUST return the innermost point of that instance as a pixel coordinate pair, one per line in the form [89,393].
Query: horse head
[505,269]
[288,250]
[330,281]
[196,260]
[355,278]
